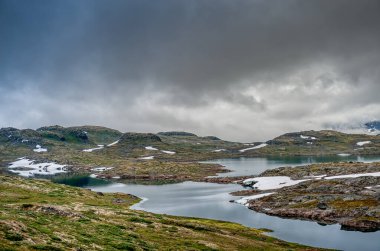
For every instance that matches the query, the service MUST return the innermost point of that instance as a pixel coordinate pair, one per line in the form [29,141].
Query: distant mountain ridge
[371,127]
[180,146]
[177,133]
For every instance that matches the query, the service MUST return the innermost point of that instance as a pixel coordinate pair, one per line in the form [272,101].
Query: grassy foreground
[40,215]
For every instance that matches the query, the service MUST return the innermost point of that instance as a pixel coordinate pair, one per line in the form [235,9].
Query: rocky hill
[322,143]
[170,155]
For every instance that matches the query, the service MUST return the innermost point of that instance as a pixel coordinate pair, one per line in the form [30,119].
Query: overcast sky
[241,70]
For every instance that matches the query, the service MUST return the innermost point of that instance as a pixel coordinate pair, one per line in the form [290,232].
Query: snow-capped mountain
[372,127]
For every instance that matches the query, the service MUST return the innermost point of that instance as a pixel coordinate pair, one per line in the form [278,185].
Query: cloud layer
[241,70]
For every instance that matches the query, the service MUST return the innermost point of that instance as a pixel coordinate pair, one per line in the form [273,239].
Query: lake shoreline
[350,198]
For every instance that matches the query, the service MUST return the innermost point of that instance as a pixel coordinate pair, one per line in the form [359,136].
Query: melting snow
[93,149]
[244,200]
[219,150]
[276,182]
[168,152]
[151,148]
[113,143]
[372,187]
[362,143]
[355,175]
[148,157]
[255,147]
[45,168]
[308,137]
[101,169]
[317,177]
[272,182]
[39,149]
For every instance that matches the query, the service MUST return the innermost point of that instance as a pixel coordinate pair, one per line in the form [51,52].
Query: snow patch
[317,177]
[27,168]
[362,143]
[219,150]
[101,169]
[168,152]
[94,149]
[244,200]
[252,148]
[307,137]
[148,157]
[355,175]
[272,182]
[151,148]
[39,149]
[113,143]
[277,182]
[372,187]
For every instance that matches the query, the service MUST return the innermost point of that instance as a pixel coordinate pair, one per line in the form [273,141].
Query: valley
[106,160]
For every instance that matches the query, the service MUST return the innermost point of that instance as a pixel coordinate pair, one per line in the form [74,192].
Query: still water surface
[205,200]
[253,166]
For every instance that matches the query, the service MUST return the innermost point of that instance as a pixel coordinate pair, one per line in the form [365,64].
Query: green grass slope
[40,215]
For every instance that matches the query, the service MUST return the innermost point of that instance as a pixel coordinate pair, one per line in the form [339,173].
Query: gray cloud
[244,70]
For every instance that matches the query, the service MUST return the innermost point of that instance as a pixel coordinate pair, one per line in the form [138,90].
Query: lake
[253,166]
[206,200]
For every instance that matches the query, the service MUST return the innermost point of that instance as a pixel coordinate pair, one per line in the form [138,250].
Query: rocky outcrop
[79,134]
[354,203]
[51,128]
[176,133]
[225,180]
[211,138]
[50,209]
[143,139]
[17,137]
[340,168]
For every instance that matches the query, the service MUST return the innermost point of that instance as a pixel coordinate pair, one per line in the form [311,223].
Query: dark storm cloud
[174,57]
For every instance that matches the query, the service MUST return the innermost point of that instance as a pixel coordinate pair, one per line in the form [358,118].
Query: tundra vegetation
[41,215]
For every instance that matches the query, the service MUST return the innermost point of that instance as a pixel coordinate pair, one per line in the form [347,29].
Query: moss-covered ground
[40,215]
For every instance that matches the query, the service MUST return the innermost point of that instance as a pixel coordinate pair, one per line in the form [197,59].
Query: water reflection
[197,199]
[252,166]
[205,200]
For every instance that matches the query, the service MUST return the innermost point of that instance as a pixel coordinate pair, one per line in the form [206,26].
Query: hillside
[169,156]
[40,215]
[322,143]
